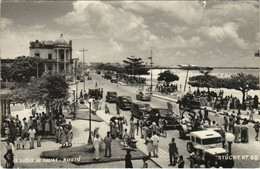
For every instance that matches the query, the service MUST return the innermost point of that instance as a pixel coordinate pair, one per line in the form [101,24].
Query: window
[198,140]
[37,54]
[211,141]
[62,56]
[50,56]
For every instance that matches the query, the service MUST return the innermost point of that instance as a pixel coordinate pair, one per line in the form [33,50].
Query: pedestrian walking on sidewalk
[70,137]
[225,123]
[149,145]
[137,127]
[132,128]
[125,137]
[173,152]
[237,131]
[155,140]
[252,114]
[32,136]
[244,132]
[33,110]
[108,140]
[257,126]
[96,142]
[145,164]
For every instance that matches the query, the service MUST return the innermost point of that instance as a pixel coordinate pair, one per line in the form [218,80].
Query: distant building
[57,55]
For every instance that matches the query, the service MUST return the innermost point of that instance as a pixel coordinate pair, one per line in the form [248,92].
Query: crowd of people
[166,88]
[219,102]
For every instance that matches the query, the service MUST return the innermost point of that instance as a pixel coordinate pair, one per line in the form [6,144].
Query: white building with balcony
[57,55]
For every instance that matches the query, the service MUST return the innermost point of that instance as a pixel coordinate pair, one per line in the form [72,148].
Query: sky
[178,32]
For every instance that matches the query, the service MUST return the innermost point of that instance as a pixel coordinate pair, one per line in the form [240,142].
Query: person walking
[108,140]
[39,126]
[32,136]
[137,127]
[128,160]
[125,137]
[244,130]
[173,152]
[251,116]
[230,124]
[63,138]
[225,123]
[132,128]
[149,145]
[96,142]
[70,137]
[47,127]
[33,110]
[237,131]
[155,140]
[256,127]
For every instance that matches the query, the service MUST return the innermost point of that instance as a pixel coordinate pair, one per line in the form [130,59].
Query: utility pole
[151,58]
[84,50]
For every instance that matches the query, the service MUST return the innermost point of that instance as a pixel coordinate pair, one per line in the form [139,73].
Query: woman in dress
[47,127]
[149,144]
[70,136]
[63,138]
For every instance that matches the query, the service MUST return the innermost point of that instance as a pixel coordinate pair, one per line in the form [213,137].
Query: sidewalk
[175,99]
[162,160]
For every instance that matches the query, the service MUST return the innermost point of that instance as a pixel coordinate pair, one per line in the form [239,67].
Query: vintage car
[113,79]
[96,92]
[124,102]
[111,97]
[189,101]
[140,110]
[170,119]
[143,96]
[210,143]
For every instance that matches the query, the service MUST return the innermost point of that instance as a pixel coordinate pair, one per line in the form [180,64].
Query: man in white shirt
[32,136]
[155,139]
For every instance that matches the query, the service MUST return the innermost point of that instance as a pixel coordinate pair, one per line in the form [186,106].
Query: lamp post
[90,101]
[74,105]
[230,138]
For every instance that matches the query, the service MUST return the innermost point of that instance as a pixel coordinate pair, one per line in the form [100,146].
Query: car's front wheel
[190,147]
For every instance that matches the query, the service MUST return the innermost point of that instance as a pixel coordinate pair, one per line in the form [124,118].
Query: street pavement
[251,148]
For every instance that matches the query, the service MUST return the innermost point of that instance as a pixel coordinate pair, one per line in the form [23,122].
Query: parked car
[93,93]
[140,109]
[111,96]
[143,96]
[124,102]
[170,119]
[210,143]
[113,79]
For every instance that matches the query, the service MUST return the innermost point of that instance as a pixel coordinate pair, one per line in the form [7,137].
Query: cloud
[117,47]
[228,31]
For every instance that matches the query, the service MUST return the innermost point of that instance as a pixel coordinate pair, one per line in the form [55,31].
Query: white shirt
[155,139]
[96,142]
[32,133]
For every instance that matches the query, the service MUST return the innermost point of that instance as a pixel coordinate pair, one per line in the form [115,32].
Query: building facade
[57,55]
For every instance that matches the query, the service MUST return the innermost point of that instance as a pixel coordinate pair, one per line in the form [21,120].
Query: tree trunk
[243,97]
